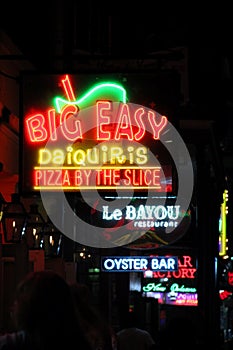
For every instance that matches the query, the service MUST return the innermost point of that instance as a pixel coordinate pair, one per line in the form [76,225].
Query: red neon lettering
[108,177]
[78,178]
[71,127]
[124,125]
[157,128]
[159,274]
[177,274]
[141,128]
[50,177]
[82,177]
[66,179]
[187,273]
[169,274]
[102,119]
[141,177]
[40,129]
[35,127]
[37,177]
[52,124]
[54,177]
[186,261]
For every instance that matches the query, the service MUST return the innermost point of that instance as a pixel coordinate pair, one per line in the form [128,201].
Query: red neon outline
[157,127]
[68,88]
[123,123]
[102,106]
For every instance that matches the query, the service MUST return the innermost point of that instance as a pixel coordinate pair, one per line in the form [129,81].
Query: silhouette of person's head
[44,308]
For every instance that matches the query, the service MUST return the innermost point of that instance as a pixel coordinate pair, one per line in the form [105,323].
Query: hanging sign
[139,263]
[97,140]
[123,160]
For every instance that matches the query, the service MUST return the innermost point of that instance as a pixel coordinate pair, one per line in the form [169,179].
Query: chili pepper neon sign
[111,155]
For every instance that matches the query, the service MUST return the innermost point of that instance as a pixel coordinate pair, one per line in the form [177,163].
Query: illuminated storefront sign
[139,263]
[223,225]
[186,269]
[145,216]
[82,133]
[178,299]
[143,212]
[173,284]
[98,141]
[174,288]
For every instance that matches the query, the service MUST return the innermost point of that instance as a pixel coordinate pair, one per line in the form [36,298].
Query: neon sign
[183,280]
[42,127]
[175,298]
[139,263]
[223,225]
[173,287]
[141,217]
[186,269]
[97,141]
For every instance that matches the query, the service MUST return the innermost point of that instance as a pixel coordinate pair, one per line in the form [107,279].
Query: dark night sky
[133,29]
[206,32]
